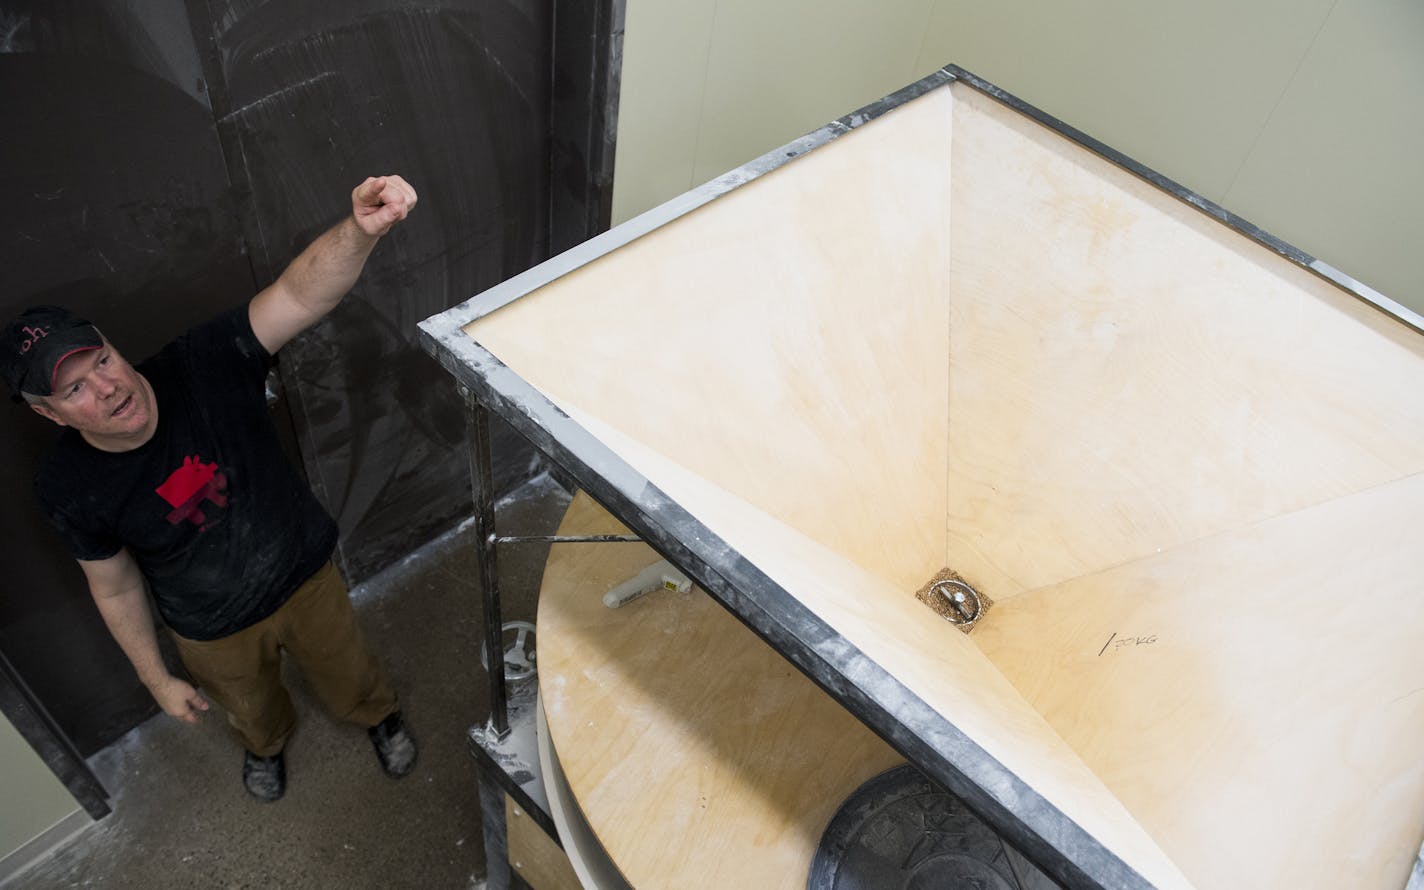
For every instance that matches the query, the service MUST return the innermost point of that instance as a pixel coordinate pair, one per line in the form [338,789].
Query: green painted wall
[1299,115]
[31,798]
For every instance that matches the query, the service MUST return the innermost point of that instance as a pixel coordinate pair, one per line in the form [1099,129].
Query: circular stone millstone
[899,831]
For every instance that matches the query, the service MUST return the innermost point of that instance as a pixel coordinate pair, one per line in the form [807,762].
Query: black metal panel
[899,830]
[148,146]
[310,98]
[588,67]
[116,205]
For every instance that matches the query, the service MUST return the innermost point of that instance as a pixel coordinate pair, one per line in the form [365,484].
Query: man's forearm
[321,275]
[327,270]
[130,622]
[121,595]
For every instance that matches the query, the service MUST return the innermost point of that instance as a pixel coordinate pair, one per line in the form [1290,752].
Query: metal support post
[569,539]
[482,487]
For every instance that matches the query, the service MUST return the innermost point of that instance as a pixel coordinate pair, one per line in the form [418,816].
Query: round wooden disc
[700,757]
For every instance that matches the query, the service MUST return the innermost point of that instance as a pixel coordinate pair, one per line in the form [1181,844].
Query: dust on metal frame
[488,541]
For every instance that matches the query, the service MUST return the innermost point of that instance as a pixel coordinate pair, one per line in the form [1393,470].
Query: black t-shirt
[219,521]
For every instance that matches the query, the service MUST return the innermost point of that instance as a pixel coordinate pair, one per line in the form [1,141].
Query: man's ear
[45,412]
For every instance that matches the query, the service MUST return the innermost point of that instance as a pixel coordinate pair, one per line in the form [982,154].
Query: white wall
[32,799]
[1300,115]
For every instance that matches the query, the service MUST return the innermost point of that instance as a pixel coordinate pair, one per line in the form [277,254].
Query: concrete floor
[181,818]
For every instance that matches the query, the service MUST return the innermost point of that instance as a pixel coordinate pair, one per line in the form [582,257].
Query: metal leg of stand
[496,833]
[499,875]
[482,487]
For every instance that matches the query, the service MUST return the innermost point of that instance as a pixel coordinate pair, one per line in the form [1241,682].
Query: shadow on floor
[181,818]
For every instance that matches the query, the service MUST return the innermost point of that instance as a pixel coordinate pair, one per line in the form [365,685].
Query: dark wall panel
[165,159]
[588,71]
[117,204]
[313,96]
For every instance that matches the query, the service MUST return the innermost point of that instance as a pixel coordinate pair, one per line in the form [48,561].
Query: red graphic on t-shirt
[189,486]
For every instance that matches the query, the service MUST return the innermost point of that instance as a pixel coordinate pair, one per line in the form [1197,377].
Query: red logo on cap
[189,486]
[32,336]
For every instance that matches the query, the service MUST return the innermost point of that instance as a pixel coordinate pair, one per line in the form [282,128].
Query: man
[169,479]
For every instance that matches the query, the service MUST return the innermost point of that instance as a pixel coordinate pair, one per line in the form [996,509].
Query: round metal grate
[899,831]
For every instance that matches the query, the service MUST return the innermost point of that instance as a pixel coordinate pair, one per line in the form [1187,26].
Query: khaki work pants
[317,627]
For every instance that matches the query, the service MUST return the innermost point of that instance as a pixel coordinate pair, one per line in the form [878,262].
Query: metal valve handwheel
[518,654]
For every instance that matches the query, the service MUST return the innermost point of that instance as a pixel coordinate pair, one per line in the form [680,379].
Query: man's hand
[178,699]
[321,275]
[380,202]
[117,586]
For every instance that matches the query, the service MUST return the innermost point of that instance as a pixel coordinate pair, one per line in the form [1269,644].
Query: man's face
[104,398]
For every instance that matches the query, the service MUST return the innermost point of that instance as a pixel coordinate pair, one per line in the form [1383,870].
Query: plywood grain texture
[533,854]
[738,362]
[1128,375]
[1252,714]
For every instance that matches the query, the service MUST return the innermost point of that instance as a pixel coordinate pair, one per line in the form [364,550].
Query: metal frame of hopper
[927,739]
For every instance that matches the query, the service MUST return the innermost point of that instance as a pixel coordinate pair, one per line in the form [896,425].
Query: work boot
[265,778]
[395,749]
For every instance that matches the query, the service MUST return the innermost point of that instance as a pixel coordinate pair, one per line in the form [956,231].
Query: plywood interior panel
[1223,696]
[1128,375]
[786,330]
[533,854]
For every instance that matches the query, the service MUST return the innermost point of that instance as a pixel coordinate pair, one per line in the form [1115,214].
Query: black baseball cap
[33,345]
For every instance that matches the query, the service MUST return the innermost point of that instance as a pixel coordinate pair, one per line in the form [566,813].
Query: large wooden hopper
[1182,459]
